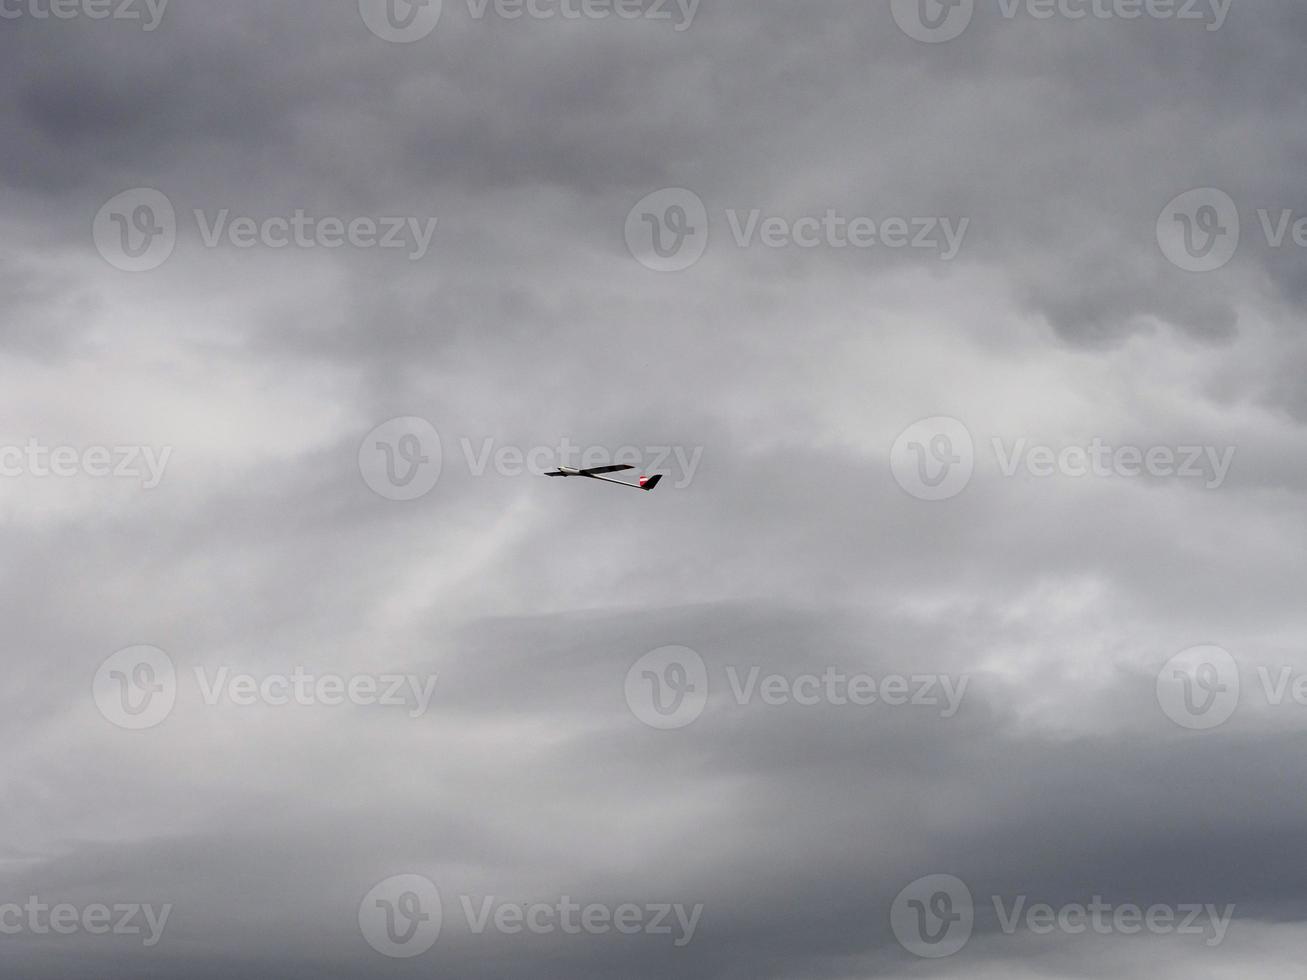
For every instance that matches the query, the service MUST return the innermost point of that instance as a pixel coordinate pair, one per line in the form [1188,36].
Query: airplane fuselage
[647,483]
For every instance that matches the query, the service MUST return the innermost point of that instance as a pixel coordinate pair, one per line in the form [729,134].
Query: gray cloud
[782,376]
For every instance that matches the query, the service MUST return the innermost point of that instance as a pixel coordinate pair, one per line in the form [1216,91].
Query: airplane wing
[599,473]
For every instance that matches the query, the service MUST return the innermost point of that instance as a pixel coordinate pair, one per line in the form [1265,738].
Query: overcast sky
[968,339]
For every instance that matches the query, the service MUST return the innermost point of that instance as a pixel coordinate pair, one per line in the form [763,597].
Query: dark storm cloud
[837,808]
[869,123]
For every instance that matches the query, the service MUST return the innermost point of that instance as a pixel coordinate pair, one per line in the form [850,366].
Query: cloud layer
[797,778]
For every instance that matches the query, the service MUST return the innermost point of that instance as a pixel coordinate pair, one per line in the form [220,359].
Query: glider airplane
[647,483]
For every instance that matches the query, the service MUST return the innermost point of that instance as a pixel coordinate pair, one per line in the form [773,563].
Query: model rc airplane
[647,483]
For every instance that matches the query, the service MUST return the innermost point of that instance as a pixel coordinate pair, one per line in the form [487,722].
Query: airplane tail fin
[649,483]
